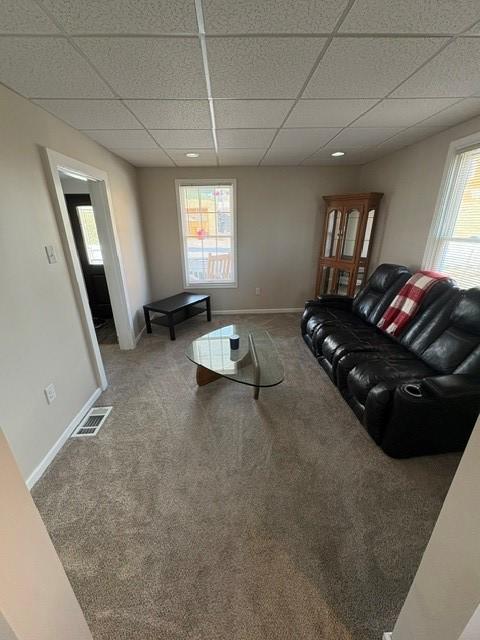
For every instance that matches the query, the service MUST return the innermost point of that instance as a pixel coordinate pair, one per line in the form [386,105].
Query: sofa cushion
[345,362]
[435,309]
[345,339]
[368,374]
[382,286]
[458,342]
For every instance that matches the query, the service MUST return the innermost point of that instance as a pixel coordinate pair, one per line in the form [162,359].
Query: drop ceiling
[246,82]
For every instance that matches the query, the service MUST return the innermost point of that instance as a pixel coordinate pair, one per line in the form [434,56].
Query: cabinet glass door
[334,218]
[359,279]
[349,236]
[326,280]
[342,282]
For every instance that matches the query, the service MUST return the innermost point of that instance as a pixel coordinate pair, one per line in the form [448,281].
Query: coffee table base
[205,376]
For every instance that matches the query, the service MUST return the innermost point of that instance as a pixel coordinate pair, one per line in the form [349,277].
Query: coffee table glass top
[258,366]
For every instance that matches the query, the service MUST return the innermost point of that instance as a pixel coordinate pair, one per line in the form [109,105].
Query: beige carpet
[200,514]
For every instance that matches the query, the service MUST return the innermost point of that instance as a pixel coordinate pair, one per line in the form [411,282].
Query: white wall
[410,179]
[36,599]
[41,337]
[279,217]
[446,590]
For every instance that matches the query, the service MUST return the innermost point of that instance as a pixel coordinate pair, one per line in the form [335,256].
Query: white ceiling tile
[327,113]
[145,157]
[459,112]
[402,112]
[123,139]
[454,72]
[148,67]
[260,67]
[206,158]
[124,16]
[352,156]
[244,138]
[412,135]
[368,67]
[233,114]
[24,16]
[272,16]
[411,16]
[284,157]
[303,140]
[91,114]
[171,114]
[183,139]
[48,68]
[359,137]
[240,157]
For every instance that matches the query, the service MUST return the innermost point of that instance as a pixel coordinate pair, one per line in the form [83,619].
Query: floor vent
[92,422]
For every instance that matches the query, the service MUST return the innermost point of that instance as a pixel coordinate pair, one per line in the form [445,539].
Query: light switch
[51,255]
[50,393]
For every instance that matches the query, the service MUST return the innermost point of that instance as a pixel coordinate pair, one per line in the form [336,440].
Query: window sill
[212,285]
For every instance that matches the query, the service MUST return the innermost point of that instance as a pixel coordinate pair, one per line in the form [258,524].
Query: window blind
[456,242]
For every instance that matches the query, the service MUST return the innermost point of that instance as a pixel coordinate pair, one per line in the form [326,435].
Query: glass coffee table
[256,362]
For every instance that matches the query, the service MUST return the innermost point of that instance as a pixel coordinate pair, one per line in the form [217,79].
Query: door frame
[100,195]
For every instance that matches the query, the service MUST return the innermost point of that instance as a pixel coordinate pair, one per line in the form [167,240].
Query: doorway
[96,185]
[85,233]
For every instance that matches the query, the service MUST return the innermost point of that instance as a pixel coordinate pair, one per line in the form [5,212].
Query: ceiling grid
[241,82]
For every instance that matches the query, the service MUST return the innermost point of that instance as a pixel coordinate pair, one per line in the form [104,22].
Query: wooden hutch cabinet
[346,242]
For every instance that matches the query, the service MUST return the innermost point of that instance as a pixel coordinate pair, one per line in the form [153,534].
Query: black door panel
[90,255]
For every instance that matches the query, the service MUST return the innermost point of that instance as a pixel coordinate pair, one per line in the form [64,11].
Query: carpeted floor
[200,514]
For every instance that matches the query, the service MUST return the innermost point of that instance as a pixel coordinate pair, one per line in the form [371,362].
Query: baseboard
[227,312]
[38,472]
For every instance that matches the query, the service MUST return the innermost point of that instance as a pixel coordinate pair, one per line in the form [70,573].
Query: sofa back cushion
[436,304]
[456,348]
[382,286]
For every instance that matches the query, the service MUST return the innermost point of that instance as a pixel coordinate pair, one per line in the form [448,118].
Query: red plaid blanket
[405,304]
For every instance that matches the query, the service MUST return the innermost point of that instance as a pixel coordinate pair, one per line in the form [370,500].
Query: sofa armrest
[324,302]
[452,386]
[338,302]
[432,415]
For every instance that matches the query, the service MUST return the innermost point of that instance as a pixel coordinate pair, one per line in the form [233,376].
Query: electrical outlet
[50,393]
[257,291]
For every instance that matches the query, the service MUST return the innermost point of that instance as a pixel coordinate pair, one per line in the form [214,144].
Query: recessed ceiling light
[192,155]
[337,154]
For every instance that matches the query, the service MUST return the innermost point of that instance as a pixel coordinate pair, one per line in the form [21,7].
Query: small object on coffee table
[234,342]
[256,362]
[175,309]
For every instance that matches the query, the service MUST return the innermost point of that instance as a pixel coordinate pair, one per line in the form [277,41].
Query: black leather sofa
[418,393]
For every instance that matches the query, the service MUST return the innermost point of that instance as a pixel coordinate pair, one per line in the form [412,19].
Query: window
[86,217]
[208,229]
[454,244]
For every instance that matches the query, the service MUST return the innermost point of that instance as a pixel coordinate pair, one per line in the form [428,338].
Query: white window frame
[202,182]
[449,174]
